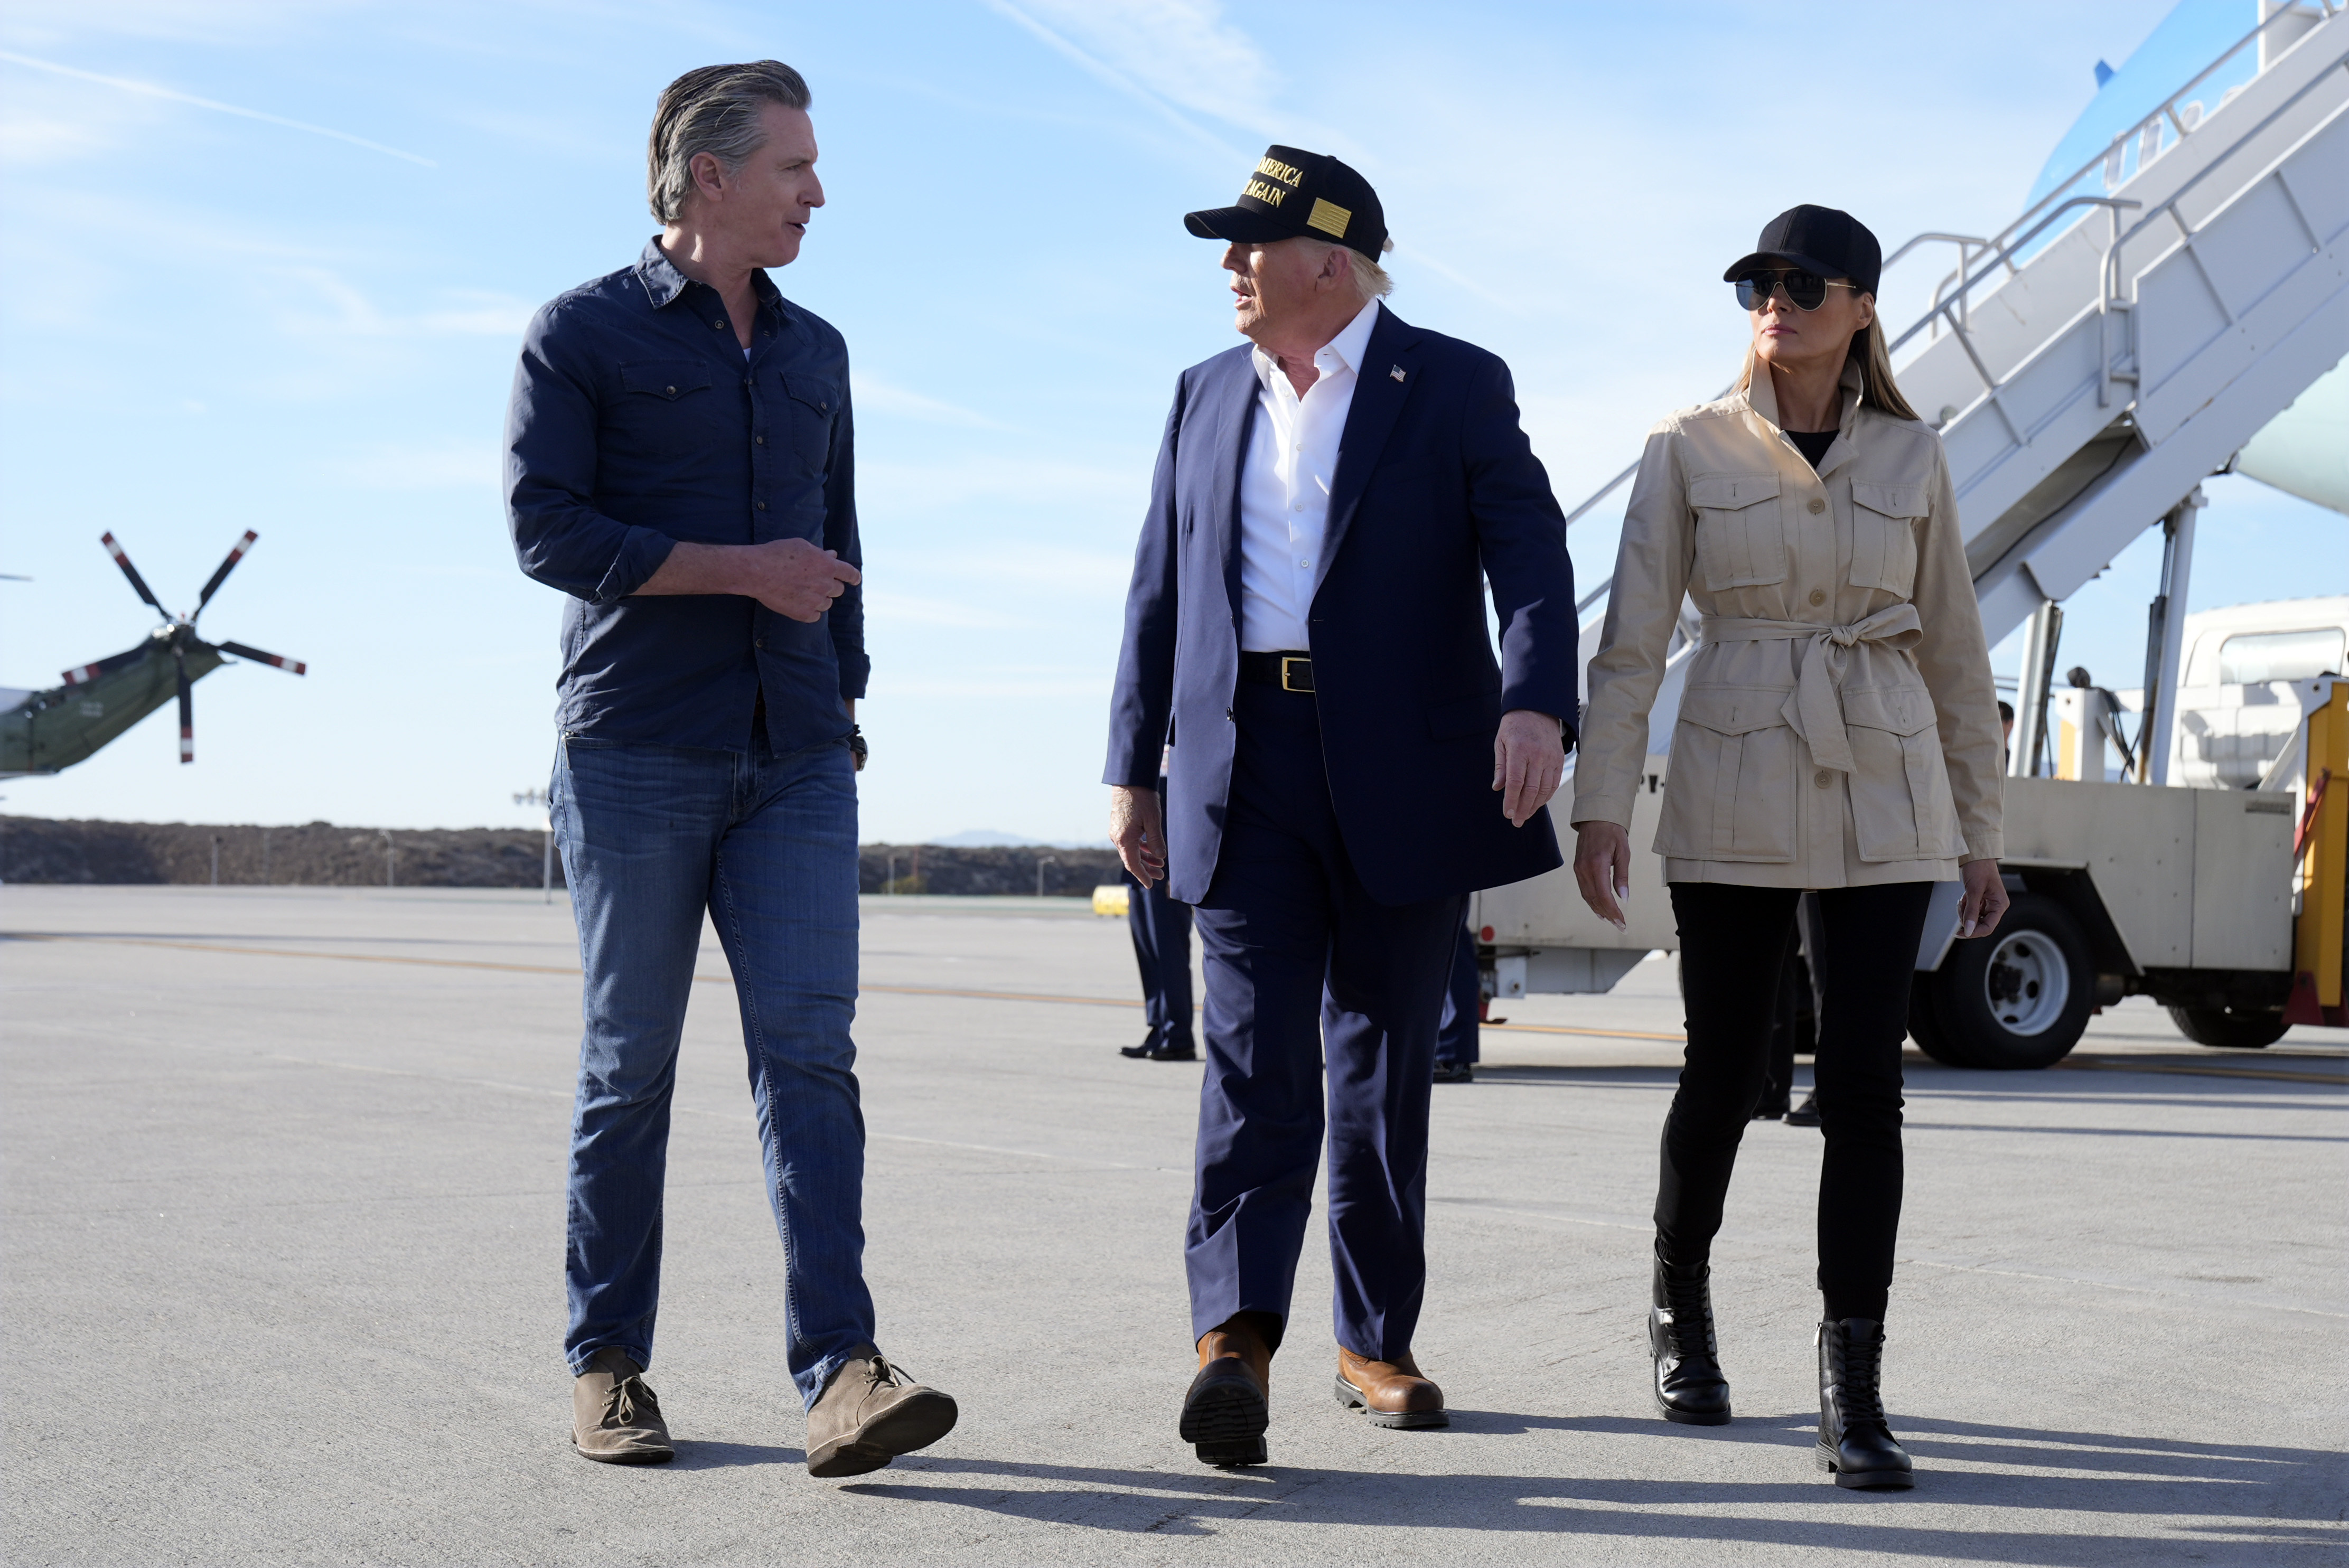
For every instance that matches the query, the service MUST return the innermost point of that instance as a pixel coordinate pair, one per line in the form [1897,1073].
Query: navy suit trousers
[1161,929]
[1303,967]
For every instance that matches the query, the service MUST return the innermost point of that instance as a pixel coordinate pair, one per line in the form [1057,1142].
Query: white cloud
[424,466]
[887,607]
[1181,50]
[876,396]
[172,95]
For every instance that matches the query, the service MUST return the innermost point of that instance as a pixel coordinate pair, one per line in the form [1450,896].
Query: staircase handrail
[2109,276]
[2046,210]
[2167,109]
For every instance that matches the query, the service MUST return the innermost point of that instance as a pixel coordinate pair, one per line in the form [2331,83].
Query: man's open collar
[663,282]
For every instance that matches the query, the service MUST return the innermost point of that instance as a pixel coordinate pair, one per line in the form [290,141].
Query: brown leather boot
[1391,1393]
[614,1418]
[869,1414]
[1230,1401]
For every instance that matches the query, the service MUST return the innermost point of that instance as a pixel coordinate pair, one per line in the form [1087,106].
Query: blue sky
[301,318]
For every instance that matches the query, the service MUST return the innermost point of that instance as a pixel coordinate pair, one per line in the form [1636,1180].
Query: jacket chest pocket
[1884,535]
[667,404]
[1741,541]
[813,405]
[1729,794]
[1901,805]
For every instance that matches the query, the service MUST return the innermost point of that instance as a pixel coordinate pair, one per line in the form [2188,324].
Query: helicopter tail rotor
[244,652]
[235,554]
[122,559]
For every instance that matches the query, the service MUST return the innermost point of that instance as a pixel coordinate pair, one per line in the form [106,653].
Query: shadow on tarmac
[2240,1488]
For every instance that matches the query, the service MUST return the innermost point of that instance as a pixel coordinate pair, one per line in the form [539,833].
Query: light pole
[215,859]
[387,856]
[1042,862]
[546,827]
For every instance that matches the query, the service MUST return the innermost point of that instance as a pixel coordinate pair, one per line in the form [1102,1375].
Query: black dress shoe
[1806,1114]
[1179,1051]
[1773,1106]
[1690,1386]
[1855,1442]
[1148,1044]
[1455,1072]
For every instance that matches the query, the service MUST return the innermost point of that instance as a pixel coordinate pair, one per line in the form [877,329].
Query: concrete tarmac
[283,1200]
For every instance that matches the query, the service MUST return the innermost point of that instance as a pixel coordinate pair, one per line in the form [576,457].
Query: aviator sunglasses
[1808,291]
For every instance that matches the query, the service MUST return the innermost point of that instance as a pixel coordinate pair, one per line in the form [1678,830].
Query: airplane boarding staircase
[2091,364]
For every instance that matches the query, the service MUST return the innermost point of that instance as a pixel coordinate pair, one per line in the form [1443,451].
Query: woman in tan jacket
[1837,731]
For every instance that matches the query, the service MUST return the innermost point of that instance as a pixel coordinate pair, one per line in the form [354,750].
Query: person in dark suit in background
[1307,629]
[1161,929]
[1456,1035]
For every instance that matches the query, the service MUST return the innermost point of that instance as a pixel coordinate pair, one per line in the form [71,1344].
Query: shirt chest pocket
[812,406]
[1741,541]
[1884,535]
[667,402]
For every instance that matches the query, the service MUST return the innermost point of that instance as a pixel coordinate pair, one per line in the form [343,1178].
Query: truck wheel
[2017,998]
[2228,1030]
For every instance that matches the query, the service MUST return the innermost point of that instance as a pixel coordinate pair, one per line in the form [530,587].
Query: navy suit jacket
[1437,491]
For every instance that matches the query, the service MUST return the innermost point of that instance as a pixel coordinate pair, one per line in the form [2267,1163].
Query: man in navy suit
[1306,626]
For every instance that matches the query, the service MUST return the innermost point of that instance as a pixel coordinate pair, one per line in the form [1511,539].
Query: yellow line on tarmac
[2122,1065]
[1594,1033]
[2092,1063]
[528,968]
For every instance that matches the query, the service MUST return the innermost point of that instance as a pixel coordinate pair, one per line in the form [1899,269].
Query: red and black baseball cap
[1292,194]
[1819,240]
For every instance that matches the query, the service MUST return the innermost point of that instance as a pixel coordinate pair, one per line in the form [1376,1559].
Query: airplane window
[2278,655]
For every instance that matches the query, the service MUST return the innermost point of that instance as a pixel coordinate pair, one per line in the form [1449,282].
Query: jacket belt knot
[1814,709]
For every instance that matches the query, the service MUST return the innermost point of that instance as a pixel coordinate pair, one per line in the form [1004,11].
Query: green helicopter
[46,731]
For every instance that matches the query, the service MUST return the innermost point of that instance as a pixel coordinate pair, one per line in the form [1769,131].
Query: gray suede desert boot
[869,1414]
[614,1418]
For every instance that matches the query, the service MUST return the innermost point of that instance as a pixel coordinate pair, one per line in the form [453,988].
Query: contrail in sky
[149,89]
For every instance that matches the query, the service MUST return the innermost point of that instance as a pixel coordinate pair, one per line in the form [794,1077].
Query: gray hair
[716,111]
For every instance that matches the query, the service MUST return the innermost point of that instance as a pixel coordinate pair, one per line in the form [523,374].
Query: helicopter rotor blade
[82,675]
[187,711]
[236,554]
[122,559]
[244,652]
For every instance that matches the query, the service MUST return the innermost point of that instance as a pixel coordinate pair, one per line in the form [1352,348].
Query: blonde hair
[1877,389]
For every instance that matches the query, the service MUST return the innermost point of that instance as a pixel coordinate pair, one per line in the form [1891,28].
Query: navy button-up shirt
[637,421]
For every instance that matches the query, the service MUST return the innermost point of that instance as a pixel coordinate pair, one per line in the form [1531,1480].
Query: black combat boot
[1855,1442]
[1690,1388]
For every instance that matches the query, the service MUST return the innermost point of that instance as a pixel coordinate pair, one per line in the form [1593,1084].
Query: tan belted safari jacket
[1839,726]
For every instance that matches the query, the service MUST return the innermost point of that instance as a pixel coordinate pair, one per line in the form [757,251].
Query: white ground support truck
[2085,384]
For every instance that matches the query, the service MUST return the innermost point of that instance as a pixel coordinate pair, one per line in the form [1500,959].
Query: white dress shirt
[1292,456]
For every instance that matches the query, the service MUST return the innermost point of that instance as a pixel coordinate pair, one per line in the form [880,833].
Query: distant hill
[323,854]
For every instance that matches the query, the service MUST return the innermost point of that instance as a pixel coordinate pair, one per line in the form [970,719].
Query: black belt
[1289,672]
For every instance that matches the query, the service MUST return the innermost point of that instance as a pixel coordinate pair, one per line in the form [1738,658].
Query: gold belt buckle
[1287,683]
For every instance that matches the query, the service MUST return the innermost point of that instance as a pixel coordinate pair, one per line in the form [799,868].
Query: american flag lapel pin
[1396,373]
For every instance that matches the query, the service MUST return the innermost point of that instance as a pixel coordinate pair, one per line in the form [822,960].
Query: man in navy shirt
[679,461]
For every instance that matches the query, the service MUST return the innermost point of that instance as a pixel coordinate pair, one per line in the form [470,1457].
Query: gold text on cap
[1329,218]
[1271,195]
[1287,174]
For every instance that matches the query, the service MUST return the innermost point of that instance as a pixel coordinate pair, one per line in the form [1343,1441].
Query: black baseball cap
[1292,193]
[1818,240]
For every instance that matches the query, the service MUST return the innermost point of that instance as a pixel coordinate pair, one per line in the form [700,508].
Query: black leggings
[1734,946]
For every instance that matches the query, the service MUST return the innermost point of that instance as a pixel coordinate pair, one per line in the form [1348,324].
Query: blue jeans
[653,836]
